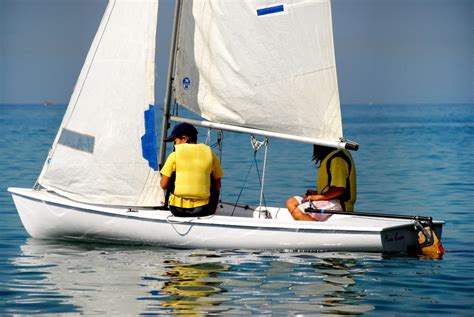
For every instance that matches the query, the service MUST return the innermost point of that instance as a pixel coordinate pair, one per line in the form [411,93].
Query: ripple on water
[427,174]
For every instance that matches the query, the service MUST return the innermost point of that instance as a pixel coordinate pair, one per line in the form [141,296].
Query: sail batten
[260,64]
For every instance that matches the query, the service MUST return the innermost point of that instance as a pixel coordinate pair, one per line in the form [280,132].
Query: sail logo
[186,83]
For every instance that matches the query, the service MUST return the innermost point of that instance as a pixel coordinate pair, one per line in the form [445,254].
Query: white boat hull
[46,215]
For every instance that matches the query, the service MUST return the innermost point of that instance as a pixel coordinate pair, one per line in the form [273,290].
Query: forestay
[261,64]
[105,150]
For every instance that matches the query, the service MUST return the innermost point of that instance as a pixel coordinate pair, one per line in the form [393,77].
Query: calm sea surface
[412,160]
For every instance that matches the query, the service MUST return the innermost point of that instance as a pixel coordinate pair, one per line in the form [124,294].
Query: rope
[256,146]
[208,137]
[263,172]
[219,141]
[241,190]
[219,144]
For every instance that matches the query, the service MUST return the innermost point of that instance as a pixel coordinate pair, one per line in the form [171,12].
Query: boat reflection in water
[86,278]
[59,277]
[193,288]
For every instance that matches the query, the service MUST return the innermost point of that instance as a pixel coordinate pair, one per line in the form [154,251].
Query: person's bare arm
[164,181]
[332,192]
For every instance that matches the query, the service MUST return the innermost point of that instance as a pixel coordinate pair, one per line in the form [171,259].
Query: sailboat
[261,67]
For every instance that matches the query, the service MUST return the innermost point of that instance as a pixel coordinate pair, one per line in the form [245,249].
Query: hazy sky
[405,51]
[387,51]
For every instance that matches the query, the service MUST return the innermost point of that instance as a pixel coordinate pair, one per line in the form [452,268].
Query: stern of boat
[404,239]
[400,239]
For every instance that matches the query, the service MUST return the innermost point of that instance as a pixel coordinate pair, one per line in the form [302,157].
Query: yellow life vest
[346,180]
[193,170]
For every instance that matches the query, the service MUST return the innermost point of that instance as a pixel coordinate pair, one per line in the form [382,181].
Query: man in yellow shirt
[197,173]
[336,185]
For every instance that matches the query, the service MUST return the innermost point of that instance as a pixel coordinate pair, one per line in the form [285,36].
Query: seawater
[412,160]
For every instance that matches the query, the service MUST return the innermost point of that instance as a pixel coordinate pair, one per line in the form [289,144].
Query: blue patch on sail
[76,140]
[270,10]
[149,143]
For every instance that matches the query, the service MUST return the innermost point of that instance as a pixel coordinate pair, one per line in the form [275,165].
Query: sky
[387,51]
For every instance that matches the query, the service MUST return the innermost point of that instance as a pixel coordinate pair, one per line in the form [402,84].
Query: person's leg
[292,206]
[178,211]
[206,210]
[200,211]
[213,201]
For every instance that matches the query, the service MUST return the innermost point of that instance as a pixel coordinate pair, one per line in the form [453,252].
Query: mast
[169,84]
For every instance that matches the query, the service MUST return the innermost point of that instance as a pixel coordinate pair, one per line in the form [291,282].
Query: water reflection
[336,294]
[54,277]
[66,277]
[193,287]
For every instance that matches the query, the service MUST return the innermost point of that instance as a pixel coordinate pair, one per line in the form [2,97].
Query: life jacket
[349,195]
[193,169]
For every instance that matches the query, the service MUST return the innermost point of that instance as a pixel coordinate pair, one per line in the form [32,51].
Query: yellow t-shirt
[195,160]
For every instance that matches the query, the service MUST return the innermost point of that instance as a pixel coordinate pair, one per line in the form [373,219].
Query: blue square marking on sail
[149,143]
[76,140]
[270,10]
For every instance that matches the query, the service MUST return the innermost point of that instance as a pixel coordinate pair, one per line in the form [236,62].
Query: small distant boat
[47,103]
[250,66]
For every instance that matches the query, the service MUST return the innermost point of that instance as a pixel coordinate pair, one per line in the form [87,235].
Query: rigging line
[218,145]
[256,146]
[259,180]
[208,137]
[264,170]
[242,189]
[220,142]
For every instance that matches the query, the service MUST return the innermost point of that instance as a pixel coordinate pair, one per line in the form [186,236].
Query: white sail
[105,150]
[262,64]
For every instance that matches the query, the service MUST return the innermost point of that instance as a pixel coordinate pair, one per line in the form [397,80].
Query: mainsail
[105,150]
[261,64]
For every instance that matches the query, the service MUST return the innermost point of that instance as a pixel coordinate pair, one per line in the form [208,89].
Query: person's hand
[315,197]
